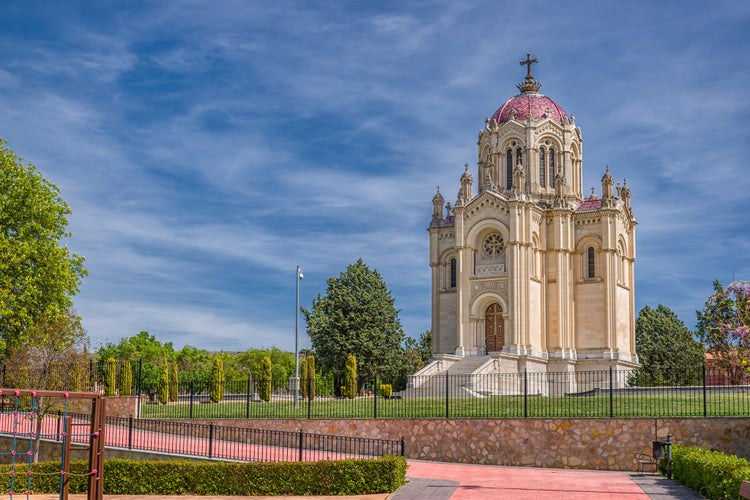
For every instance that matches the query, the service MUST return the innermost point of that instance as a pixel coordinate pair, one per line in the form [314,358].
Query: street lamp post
[296,340]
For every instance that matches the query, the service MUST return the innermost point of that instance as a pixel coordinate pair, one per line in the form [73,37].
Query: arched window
[590,263]
[542,168]
[551,166]
[509,168]
[453,273]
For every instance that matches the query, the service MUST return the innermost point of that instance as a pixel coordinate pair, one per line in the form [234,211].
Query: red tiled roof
[589,205]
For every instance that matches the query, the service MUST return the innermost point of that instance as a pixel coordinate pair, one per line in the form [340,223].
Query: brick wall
[601,444]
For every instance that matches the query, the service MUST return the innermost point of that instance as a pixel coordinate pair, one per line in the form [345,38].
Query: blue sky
[208,148]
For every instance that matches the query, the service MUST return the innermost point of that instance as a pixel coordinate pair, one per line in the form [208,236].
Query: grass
[619,406]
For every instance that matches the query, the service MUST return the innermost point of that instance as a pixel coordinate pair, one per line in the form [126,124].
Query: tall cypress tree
[217,380]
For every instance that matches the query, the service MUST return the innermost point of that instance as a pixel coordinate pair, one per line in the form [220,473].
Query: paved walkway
[443,481]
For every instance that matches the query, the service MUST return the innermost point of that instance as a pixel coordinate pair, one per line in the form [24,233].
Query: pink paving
[483,482]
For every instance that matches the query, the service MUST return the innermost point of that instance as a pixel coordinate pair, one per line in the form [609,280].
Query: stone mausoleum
[528,272]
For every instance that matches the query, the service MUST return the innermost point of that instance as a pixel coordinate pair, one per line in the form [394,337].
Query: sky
[208,148]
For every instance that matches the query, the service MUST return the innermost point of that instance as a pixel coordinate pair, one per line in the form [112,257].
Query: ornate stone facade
[528,269]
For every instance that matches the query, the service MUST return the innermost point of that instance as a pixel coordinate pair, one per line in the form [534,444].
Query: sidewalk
[441,481]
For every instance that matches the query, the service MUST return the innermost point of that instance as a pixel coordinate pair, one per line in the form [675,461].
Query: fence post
[705,406]
[447,390]
[140,384]
[247,401]
[375,395]
[300,445]
[525,394]
[130,432]
[91,374]
[309,397]
[210,440]
[403,447]
[611,395]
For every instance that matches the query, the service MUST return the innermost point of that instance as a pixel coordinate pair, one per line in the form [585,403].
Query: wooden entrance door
[494,336]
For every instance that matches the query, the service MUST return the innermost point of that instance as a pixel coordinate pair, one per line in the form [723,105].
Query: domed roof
[538,106]
[529,102]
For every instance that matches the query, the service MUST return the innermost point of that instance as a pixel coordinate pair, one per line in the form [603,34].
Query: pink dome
[539,106]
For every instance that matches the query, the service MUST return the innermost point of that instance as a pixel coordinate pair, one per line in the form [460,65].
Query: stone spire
[464,194]
[608,198]
[437,208]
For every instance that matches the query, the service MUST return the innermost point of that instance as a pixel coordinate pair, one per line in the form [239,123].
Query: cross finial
[528,62]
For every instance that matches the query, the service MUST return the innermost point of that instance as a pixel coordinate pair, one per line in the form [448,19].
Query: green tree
[164,382]
[265,379]
[174,387]
[39,275]
[145,349]
[310,379]
[418,351]
[110,379]
[357,316]
[126,379]
[724,328]
[667,351]
[282,364]
[194,365]
[350,377]
[217,380]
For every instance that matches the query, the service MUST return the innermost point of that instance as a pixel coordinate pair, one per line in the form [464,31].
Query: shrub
[126,379]
[350,377]
[179,477]
[266,378]
[217,380]
[110,377]
[386,390]
[714,474]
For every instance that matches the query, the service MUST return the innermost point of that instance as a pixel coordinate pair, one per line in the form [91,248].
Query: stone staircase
[431,382]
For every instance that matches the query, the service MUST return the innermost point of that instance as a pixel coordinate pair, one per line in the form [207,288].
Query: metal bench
[646,463]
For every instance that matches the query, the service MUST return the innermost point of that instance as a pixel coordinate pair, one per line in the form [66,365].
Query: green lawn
[621,406]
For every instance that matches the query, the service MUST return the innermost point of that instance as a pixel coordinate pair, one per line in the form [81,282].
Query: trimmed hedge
[714,474]
[182,477]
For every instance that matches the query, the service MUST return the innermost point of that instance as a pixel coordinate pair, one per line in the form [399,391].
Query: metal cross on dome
[528,62]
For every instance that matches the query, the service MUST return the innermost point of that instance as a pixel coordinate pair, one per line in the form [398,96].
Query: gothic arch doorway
[494,336]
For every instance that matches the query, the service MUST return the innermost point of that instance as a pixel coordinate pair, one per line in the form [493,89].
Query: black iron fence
[687,392]
[216,441]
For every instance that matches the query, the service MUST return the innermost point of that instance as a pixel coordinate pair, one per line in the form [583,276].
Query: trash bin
[658,449]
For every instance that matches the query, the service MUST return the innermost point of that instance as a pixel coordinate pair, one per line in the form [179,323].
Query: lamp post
[296,340]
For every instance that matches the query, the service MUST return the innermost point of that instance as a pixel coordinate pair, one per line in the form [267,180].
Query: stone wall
[600,444]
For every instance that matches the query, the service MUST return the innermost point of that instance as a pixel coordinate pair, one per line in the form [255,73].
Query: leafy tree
[145,349]
[174,388]
[724,328]
[217,380]
[357,316]
[164,382]
[350,377]
[126,379]
[282,364]
[667,351]
[264,380]
[194,365]
[110,379]
[39,274]
[418,351]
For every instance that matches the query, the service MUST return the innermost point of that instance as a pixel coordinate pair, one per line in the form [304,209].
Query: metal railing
[218,442]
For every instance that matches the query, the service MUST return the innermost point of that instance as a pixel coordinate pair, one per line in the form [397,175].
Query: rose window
[493,245]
